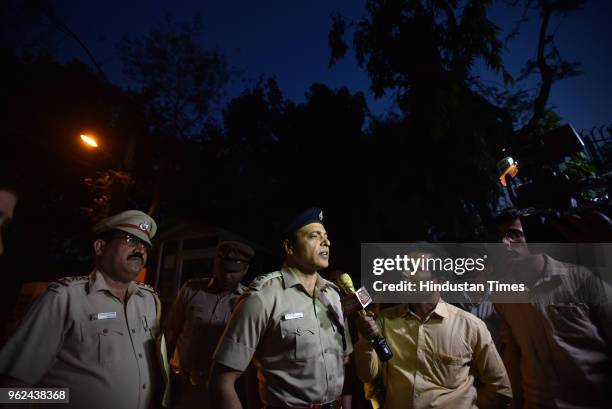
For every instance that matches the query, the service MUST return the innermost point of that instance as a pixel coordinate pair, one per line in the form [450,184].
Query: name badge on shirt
[294,315]
[103,315]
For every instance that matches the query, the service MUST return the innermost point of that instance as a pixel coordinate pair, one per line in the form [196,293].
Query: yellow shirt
[436,361]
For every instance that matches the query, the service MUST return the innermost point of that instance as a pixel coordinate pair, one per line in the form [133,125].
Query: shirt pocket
[148,331]
[572,323]
[197,312]
[103,340]
[301,339]
[451,370]
[148,327]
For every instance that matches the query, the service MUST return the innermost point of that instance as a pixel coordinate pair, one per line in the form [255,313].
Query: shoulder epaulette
[330,285]
[68,281]
[196,282]
[258,282]
[60,283]
[145,286]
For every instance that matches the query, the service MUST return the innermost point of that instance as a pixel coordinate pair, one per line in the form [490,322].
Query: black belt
[335,404]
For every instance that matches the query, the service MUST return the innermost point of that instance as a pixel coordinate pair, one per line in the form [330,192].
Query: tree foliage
[48,105]
[449,137]
[177,79]
[548,62]
[426,172]
[404,42]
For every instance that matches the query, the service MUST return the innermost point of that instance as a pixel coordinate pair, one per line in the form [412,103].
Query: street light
[88,140]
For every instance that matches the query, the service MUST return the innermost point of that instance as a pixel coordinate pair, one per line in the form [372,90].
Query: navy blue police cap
[311,215]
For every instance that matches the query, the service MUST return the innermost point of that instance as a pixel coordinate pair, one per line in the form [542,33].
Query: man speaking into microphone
[357,301]
[443,357]
[290,323]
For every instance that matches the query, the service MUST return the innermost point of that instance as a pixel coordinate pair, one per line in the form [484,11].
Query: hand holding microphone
[367,323]
[367,326]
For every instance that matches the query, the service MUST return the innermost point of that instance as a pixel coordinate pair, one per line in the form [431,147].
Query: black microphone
[363,298]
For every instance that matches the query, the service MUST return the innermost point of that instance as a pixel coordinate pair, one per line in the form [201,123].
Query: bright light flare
[88,140]
[507,166]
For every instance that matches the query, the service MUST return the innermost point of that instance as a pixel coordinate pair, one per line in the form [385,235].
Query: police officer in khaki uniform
[95,334]
[290,323]
[199,316]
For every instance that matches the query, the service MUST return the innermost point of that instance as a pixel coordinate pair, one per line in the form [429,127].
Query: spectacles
[514,235]
[133,241]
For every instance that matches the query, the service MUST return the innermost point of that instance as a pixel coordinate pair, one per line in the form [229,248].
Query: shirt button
[299,330]
[133,331]
[105,331]
[144,386]
[139,355]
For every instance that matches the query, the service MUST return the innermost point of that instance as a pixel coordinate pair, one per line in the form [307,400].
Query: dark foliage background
[426,172]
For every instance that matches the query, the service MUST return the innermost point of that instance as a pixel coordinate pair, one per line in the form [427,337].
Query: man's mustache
[137,255]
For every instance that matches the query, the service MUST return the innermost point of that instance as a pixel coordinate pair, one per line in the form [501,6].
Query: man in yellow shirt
[443,357]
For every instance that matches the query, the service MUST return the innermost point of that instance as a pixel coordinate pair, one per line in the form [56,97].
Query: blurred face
[511,234]
[309,251]
[226,279]
[422,275]
[121,257]
[8,200]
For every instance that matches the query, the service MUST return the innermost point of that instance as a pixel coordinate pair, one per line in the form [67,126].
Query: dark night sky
[288,40]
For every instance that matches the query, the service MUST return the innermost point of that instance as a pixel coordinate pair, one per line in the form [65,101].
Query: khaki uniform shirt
[558,343]
[436,361]
[295,340]
[198,319]
[78,335]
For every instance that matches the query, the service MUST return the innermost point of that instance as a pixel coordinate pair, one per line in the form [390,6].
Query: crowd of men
[286,334]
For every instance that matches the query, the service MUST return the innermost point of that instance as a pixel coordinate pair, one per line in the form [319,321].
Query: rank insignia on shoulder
[262,279]
[329,285]
[66,281]
[145,286]
[55,286]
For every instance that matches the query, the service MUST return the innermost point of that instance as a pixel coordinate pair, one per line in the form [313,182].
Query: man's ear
[287,246]
[98,247]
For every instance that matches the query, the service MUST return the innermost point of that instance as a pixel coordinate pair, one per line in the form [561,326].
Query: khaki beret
[234,255]
[134,222]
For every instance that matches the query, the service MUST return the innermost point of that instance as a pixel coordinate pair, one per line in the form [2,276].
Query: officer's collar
[291,278]
[98,283]
[240,289]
